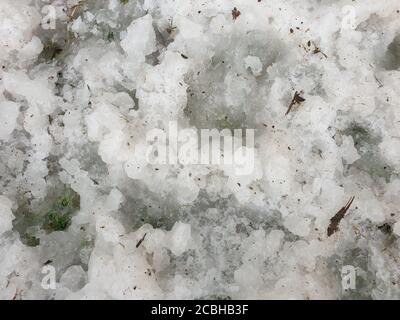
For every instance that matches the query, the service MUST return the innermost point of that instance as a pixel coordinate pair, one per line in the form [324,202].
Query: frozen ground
[79,93]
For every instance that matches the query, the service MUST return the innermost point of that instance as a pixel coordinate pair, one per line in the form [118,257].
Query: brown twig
[335,220]
[72,11]
[318,50]
[140,241]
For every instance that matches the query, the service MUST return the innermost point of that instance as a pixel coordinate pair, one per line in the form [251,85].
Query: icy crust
[75,106]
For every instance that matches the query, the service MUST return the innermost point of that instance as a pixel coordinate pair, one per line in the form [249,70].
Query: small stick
[379,81]
[318,50]
[335,220]
[140,241]
[73,10]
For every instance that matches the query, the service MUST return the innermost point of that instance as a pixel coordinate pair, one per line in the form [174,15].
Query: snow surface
[76,103]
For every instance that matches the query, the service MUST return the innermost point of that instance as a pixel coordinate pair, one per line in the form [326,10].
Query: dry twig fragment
[73,10]
[171,28]
[335,220]
[318,50]
[140,241]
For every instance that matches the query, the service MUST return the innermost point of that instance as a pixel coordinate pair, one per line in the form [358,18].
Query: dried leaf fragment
[335,220]
[296,100]
[235,13]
